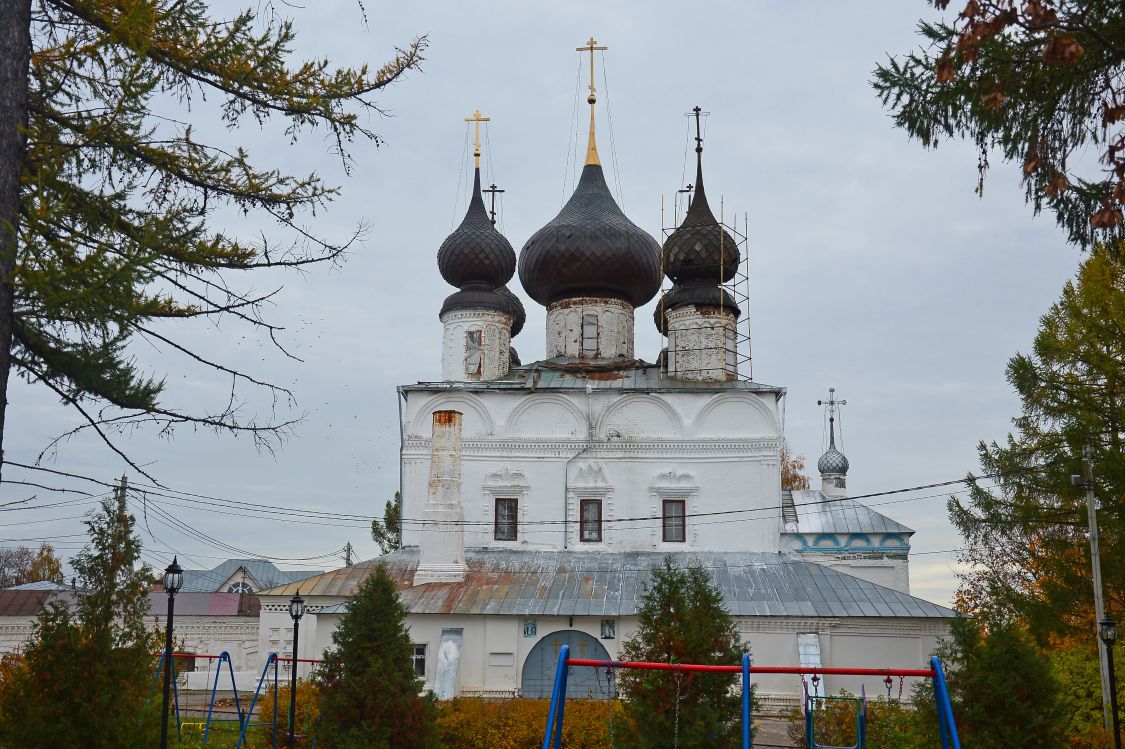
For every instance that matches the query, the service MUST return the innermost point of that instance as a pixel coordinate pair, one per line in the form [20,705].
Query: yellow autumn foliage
[469,723]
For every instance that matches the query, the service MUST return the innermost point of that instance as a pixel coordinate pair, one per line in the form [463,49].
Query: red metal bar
[919,672]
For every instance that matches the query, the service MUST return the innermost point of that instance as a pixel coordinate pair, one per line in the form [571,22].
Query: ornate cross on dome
[591,148]
[698,138]
[476,119]
[492,190]
[833,408]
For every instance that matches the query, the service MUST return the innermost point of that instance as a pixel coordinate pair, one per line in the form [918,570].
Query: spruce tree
[1003,689]
[85,680]
[370,695]
[682,620]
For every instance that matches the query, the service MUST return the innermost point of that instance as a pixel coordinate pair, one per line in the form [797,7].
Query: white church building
[538,497]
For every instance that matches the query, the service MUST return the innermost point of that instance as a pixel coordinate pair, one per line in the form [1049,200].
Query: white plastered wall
[550,449]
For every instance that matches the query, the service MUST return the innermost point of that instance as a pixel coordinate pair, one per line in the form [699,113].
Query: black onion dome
[515,309]
[476,296]
[679,296]
[475,252]
[700,250]
[591,249]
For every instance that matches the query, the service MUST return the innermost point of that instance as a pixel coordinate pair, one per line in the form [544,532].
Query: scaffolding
[742,362]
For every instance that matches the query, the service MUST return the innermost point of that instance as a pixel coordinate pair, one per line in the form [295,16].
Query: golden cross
[591,147]
[591,47]
[476,119]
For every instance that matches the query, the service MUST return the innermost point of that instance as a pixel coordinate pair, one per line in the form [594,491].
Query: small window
[674,520]
[240,587]
[591,520]
[808,650]
[589,335]
[609,629]
[418,658]
[732,351]
[530,627]
[474,355]
[504,528]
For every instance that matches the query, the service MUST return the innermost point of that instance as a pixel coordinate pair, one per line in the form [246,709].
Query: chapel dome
[833,461]
[590,249]
[700,251]
[475,253]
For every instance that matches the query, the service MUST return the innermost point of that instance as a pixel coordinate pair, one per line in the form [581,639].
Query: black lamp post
[1107,630]
[173,581]
[296,611]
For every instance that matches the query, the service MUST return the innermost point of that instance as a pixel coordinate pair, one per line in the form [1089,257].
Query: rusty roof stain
[585,583]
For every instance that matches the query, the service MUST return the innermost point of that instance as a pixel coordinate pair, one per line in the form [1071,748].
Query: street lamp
[296,611]
[173,581]
[1107,630]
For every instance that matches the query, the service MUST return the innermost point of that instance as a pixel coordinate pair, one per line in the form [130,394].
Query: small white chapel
[537,498]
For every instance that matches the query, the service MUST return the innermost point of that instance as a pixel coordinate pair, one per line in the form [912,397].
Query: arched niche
[546,415]
[475,419]
[640,416]
[742,415]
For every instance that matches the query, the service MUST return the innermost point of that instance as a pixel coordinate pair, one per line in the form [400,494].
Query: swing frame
[552,737]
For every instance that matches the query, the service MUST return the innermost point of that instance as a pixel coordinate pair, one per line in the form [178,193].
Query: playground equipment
[813,701]
[243,719]
[552,737]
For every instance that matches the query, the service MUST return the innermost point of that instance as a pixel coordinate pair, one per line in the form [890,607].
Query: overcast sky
[875,268]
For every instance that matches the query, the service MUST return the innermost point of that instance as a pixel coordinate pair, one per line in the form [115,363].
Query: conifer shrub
[682,619]
[370,697]
[85,679]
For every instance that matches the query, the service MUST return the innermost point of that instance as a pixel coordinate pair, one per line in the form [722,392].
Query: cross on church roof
[476,119]
[591,149]
[492,190]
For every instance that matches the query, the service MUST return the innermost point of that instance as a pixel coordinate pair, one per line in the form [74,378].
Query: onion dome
[591,249]
[833,461]
[679,296]
[515,309]
[700,251]
[475,253]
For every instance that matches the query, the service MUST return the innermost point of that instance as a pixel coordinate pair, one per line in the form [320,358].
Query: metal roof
[265,573]
[563,373]
[583,583]
[40,585]
[816,513]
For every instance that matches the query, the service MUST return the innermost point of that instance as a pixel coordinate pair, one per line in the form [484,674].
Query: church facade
[537,498]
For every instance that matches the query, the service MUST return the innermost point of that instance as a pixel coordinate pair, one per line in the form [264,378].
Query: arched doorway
[539,667]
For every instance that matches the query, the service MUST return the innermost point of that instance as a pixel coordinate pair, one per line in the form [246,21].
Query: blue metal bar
[747,738]
[944,707]
[223,656]
[270,661]
[275,698]
[564,652]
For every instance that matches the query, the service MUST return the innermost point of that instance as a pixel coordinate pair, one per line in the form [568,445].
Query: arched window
[241,587]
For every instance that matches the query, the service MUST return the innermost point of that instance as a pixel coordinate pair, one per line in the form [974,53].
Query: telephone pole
[348,555]
[1087,480]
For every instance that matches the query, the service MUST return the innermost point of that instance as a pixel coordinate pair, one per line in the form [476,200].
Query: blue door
[583,682]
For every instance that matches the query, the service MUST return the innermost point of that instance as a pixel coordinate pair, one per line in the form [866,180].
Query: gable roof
[584,583]
[266,574]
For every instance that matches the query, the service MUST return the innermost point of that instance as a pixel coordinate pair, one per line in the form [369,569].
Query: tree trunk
[15,40]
